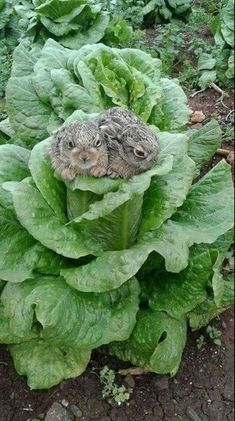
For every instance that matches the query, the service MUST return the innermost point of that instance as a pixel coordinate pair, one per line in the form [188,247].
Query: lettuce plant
[47,86]
[219,64]
[101,261]
[148,12]
[72,23]
[164,10]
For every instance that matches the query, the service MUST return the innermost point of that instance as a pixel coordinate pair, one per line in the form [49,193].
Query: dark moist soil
[202,389]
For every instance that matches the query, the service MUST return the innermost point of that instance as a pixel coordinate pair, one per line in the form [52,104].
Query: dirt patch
[202,389]
[212,105]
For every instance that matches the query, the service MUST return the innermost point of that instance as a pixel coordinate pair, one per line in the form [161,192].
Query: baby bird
[79,149]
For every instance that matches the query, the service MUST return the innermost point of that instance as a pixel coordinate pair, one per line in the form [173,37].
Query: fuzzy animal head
[137,144]
[80,145]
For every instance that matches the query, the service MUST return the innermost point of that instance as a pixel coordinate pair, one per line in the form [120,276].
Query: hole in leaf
[162,337]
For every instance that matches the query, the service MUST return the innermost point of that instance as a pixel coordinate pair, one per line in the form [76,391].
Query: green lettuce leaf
[35,308]
[202,314]
[177,294]
[21,254]
[156,344]
[52,190]
[46,364]
[176,112]
[43,224]
[167,192]
[13,166]
[203,143]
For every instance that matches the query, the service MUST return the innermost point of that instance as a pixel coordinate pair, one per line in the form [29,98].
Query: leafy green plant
[219,63]
[95,261]
[214,334]
[110,390]
[72,23]
[200,342]
[130,10]
[100,261]
[48,86]
[156,12]
[149,12]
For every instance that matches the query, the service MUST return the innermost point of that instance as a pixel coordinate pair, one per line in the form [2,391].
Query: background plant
[219,64]
[48,86]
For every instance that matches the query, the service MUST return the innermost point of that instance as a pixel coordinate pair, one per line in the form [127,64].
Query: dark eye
[70,144]
[97,142]
[139,153]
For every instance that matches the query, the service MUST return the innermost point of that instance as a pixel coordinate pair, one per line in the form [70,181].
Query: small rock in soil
[76,411]
[57,413]
[65,403]
[197,117]
[129,381]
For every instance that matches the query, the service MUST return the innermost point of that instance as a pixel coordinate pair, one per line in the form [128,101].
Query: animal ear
[111,129]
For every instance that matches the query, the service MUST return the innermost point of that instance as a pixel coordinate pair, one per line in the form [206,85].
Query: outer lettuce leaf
[89,320]
[203,143]
[207,78]
[206,214]
[206,311]
[43,224]
[177,294]
[169,191]
[175,111]
[46,364]
[92,35]
[21,254]
[13,166]
[227,22]
[51,189]
[156,343]
[29,116]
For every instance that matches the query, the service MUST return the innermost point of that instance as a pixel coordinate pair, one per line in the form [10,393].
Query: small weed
[200,342]
[111,391]
[214,334]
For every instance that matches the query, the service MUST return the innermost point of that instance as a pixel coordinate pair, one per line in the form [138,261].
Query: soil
[202,389]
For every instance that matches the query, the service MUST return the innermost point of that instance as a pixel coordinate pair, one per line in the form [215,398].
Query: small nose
[84,157]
